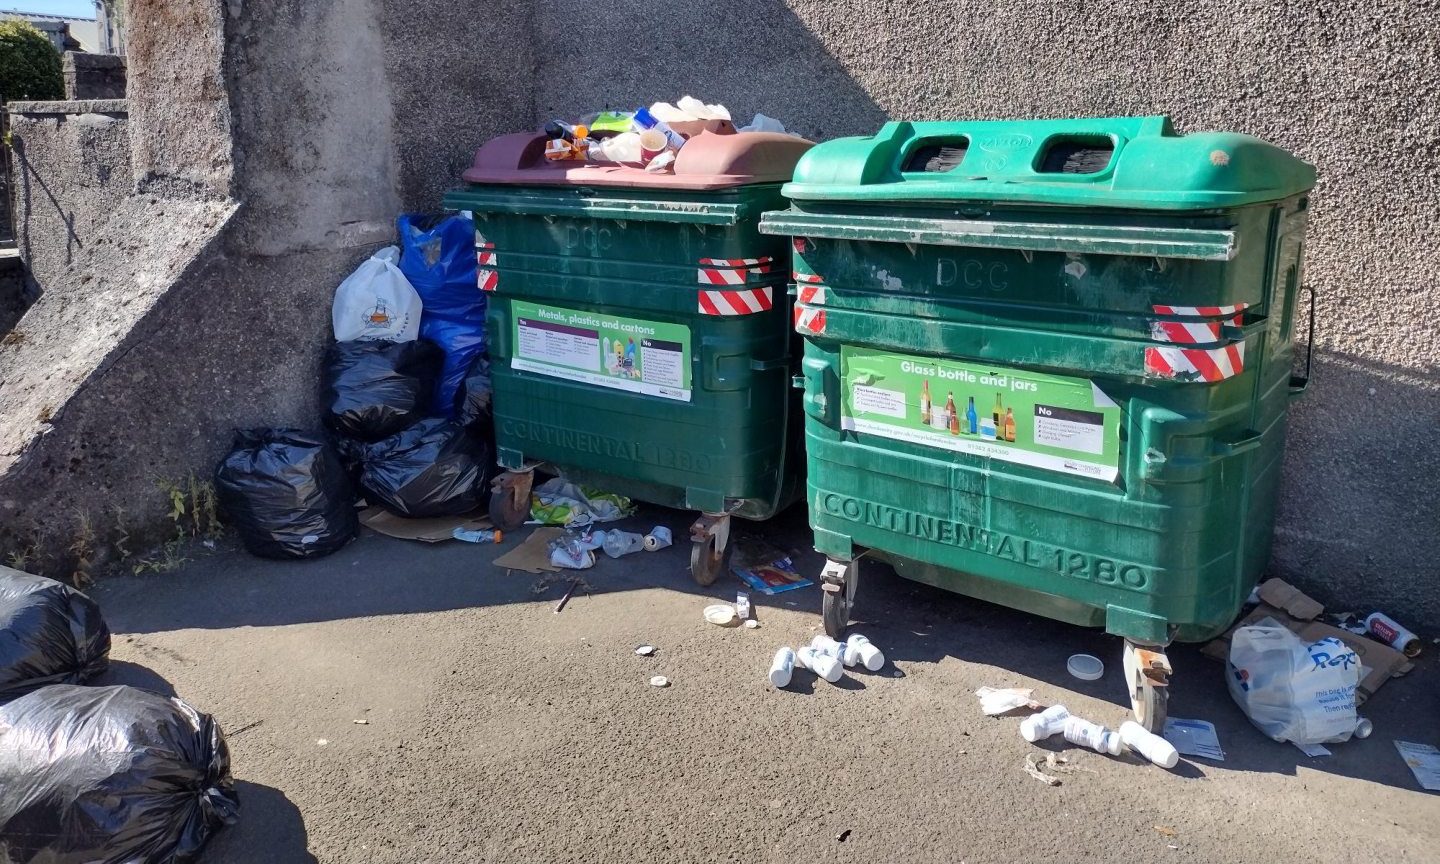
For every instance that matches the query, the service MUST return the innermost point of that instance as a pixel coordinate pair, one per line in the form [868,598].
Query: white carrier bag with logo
[377,302]
[1290,690]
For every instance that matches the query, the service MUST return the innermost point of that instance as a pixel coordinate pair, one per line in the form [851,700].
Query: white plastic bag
[761,123]
[1290,690]
[377,302]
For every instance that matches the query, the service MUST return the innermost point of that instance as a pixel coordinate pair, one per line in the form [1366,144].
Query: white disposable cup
[1049,722]
[652,143]
[782,667]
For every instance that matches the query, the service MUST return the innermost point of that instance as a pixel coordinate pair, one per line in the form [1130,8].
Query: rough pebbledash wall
[316,121]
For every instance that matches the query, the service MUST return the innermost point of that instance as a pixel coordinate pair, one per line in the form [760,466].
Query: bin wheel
[510,500]
[837,596]
[1147,674]
[708,559]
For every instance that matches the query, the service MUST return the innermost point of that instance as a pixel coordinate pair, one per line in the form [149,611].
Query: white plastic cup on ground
[658,538]
[1049,722]
[860,650]
[782,667]
[824,665]
[1149,745]
[618,543]
[1081,731]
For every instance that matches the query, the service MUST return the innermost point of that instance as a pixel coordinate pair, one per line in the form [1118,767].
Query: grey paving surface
[501,731]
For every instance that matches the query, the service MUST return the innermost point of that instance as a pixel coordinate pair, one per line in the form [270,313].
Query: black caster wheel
[707,561]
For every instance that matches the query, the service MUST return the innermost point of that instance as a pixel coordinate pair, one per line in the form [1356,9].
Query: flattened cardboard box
[1296,611]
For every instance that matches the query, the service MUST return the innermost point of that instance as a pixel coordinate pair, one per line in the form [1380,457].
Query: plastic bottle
[478,536]
[618,543]
[1081,731]
[829,647]
[860,650]
[643,120]
[557,129]
[1149,745]
[1049,722]
[782,667]
[624,147]
[824,665]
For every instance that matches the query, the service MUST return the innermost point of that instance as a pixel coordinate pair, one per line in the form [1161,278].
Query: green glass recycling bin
[639,328]
[1047,364]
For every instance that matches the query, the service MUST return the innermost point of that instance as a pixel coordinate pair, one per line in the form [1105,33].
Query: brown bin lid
[709,160]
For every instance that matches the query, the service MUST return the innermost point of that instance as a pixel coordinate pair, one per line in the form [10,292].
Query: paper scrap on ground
[1424,762]
[995,701]
[532,556]
[1194,738]
[436,530]
[1312,750]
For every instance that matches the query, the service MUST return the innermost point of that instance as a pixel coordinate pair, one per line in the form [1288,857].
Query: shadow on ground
[914,623]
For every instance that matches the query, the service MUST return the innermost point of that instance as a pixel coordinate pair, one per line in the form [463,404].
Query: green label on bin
[649,357]
[1045,421]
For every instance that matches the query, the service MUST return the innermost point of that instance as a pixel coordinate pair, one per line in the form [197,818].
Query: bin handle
[1298,383]
[767,365]
[1248,440]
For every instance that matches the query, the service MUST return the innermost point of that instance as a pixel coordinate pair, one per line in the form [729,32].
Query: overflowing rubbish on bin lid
[649,137]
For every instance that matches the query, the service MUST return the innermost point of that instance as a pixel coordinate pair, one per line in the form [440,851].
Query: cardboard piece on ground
[532,556]
[1379,661]
[436,530]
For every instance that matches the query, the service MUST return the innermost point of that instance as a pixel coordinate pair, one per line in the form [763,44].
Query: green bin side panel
[735,445]
[1117,162]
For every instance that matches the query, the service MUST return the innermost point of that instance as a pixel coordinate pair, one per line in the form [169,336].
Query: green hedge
[29,64]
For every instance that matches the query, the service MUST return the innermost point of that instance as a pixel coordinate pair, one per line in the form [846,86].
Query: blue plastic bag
[438,257]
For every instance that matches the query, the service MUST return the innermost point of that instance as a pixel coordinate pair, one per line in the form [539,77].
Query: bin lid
[1117,162]
[709,160]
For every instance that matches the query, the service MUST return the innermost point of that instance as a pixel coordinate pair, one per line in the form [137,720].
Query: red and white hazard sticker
[809,322]
[738,301]
[1195,364]
[812,294]
[1201,311]
[486,277]
[730,271]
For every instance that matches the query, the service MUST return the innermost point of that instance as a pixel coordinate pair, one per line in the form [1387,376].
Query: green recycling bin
[1047,364]
[639,327]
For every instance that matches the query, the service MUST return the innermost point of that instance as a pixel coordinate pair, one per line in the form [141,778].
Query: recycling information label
[649,357]
[1045,421]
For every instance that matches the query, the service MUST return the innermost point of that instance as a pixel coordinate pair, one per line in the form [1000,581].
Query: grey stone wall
[93,76]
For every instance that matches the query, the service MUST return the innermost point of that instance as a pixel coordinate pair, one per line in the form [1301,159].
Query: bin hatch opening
[938,158]
[1088,155]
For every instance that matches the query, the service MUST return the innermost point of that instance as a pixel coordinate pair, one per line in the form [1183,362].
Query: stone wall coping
[74,106]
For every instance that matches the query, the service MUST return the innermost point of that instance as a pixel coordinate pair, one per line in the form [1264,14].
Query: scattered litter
[860,650]
[1171,846]
[658,538]
[574,583]
[1033,769]
[1296,612]
[361,722]
[764,568]
[742,605]
[246,728]
[440,529]
[1194,738]
[1424,762]
[1290,690]
[478,535]
[560,502]
[570,551]
[1387,630]
[208,544]
[646,650]
[995,701]
[1086,667]
[322,742]
[720,614]
[1158,750]
[659,681]
[782,667]
[1038,727]
[824,665]
[1165,830]
[1083,733]
[843,835]
[752,624]
[1312,750]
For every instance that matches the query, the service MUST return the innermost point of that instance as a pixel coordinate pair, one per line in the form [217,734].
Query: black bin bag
[110,775]
[476,392]
[49,634]
[434,468]
[374,389]
[286,494]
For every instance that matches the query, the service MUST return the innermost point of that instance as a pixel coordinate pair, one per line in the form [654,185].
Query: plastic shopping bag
[1290,690]
[440,261]
[377,302]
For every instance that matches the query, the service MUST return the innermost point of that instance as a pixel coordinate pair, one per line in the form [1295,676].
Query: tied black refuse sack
[434,468]
[474,412]
[374,389]
[110,775]
[49,634]
[286,493]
